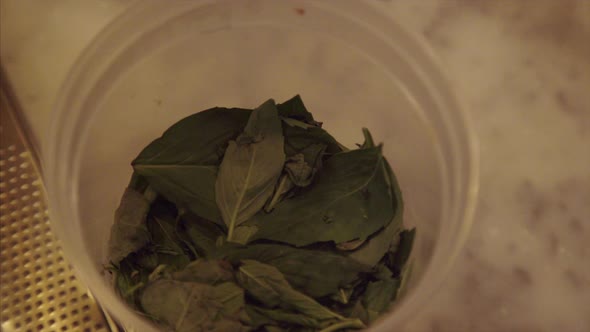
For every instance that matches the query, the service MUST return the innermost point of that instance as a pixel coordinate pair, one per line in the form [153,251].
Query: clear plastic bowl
[353,65]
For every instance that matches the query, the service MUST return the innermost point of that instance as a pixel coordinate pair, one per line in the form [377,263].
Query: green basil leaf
[316,273]
[282,189]
[202,234]
[295,109]
[398,257]
[296,123]
[359,311]
[350,245]
[270,287]
[195,140]
[255,318]
[190,306]
[211,272]
[283,316]
[299,171]
[162,223]
[308,142]
[250,168]
[129,232]
[369,142]
[188,186]
[243,233]
[378,297]
[348,201]
[379,244]
[182,164]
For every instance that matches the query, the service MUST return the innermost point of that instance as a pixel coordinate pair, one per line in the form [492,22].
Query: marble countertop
[523,69]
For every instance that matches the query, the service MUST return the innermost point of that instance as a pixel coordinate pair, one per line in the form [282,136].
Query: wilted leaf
[190,306]
[129,232]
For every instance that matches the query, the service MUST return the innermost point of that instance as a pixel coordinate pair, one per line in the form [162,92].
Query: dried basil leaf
[299,171]
[129,232]
[191,306]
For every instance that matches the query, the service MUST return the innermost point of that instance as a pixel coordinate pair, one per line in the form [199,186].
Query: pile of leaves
[259,220]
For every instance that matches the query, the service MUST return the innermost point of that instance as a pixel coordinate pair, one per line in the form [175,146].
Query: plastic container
[353,65]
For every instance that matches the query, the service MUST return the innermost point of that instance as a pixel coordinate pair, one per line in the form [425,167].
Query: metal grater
[39,289]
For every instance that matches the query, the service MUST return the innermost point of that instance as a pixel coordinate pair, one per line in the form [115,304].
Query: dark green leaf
[351,323]
[190,306]
[162,224]
[342,296]
[295,109]
[256,319]
[250,168]
[296,123]
[270,287]
[382,272]
[299,171]
[350,245]
[188,186]
[284,316]
[397,261]
[129,232]
[127,283]
[369,143]
[211,272]
[348,201]
[283,187]
[359,311]
[374,248]
[138,182]
[182,164]
[378,297]
[196,139]
[316,273]
[201,233]
[243,233]
[309,142]
[173,262]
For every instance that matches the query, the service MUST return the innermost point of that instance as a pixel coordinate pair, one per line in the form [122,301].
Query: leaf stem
[349,323]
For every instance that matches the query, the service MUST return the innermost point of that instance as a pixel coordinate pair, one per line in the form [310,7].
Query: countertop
[523,70]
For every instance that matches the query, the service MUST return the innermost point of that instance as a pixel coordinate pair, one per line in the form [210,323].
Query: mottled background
[523,70]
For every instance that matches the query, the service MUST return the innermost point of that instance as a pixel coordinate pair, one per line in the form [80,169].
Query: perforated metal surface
[39,289]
